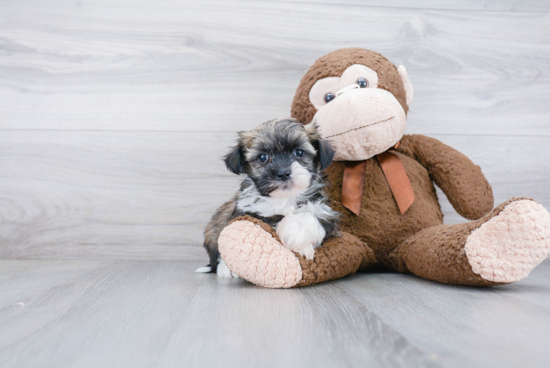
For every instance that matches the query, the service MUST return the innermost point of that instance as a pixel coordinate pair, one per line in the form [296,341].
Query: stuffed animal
[382,182]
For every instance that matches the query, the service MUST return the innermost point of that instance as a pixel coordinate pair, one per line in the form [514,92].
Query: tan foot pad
[508,246]
[255,255]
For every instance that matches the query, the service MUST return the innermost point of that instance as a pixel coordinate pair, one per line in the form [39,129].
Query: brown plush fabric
[336,258]
[437,253]
[380,224]
[416,241]
[460,179]
[333,65]
[426,160]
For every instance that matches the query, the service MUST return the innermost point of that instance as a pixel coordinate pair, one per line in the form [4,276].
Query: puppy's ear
[325,153]
[234,160]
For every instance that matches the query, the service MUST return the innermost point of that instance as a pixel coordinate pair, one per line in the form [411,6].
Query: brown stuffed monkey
[382,182]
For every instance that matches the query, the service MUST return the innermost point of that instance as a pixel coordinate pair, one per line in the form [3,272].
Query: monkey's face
[360,119]
[357,110]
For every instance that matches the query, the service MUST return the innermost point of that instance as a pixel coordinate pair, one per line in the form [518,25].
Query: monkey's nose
[283,175]
[348,88]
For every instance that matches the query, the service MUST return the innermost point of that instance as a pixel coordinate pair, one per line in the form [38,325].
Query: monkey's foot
[252,250]
[508,246]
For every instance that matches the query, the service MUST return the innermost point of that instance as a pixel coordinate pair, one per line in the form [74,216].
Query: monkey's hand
[301,233]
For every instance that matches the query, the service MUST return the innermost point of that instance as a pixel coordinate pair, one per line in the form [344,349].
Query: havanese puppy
[284,162]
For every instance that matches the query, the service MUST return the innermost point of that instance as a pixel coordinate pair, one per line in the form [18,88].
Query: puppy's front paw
[307,251]
[301,232]
[224,271]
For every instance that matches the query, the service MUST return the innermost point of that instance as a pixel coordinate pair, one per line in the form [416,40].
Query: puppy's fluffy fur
[284,162]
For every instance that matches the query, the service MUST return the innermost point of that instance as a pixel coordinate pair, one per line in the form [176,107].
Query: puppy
[284,162]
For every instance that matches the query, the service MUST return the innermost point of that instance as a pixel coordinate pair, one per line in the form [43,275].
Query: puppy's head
[280,156]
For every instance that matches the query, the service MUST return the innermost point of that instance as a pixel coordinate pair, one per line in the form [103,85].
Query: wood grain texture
[149,195]
[20,279]
[229,65]
[445,319]
[114,114]
[110,195]
[487,5]
[161,314]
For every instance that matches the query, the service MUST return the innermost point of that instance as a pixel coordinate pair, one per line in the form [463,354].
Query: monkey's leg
[252,250]
[500,248]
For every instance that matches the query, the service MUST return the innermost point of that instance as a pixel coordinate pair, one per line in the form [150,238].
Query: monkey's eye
[298,153]
[362,82]
[263,158]
[329,97]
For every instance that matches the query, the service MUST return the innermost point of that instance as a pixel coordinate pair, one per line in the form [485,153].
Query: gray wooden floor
[109,313]
[114,115]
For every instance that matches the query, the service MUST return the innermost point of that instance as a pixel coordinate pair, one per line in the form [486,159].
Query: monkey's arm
[460,179]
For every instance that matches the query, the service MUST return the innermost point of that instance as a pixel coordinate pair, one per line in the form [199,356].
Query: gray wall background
[114,114]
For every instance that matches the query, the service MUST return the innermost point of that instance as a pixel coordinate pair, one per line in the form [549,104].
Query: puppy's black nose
[283,175]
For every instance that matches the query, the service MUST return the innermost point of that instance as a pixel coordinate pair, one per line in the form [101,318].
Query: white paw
[224,271]
[301,232]
[307,251]
[204,269]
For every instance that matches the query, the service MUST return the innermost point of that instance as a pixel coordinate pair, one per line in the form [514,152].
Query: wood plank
[486,5]
[485,325]
[149,195]
[22,279]
[225,66]
[110,195]
[118,313]
[160,313]
[311,327]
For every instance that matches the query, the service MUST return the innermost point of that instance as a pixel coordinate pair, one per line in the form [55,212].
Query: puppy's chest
[266,206]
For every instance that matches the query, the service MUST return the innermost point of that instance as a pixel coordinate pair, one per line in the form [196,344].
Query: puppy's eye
[298,153]
[362,82]
[329,97]
[263,158]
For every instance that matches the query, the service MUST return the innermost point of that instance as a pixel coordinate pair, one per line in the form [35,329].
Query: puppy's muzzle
[282,174]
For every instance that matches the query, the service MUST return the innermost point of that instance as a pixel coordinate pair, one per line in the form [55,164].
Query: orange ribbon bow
[394,171]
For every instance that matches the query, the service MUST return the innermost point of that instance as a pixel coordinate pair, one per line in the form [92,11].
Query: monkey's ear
[234,160]
[406,83]
[325,153]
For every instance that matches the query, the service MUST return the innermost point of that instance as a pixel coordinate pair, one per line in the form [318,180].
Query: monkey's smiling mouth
[361,127]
